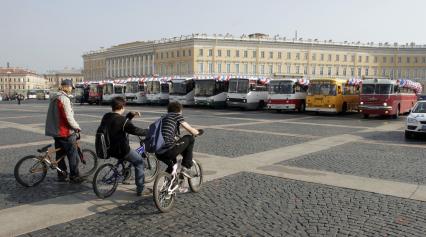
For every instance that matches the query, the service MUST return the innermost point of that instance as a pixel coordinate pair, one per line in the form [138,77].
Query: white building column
[139,65]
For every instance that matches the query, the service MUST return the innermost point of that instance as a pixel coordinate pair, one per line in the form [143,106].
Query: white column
[149,67]
[139,65]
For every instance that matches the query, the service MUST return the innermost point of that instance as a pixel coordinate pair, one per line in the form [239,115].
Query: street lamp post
[10,83]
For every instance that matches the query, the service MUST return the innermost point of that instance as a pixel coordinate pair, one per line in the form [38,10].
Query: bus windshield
[420,108]
[376,89]
[118,89]
[322,88]
[132,87]
[79,91]
[179,88]
[281,87]
[239,86]
[205,88]
[153,87]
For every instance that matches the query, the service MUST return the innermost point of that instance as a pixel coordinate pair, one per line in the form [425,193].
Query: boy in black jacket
[118,127]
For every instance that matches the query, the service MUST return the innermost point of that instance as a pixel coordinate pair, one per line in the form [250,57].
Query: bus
[247,93]
[287,94]
[112,90]
[333,95]
[388,97]
[182,91]
[135,91]
[157,91]
[32,94]
[81,93]
[95,93]
[211,92]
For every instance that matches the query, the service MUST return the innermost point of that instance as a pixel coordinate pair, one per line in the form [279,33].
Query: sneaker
[145,192]
[186,172]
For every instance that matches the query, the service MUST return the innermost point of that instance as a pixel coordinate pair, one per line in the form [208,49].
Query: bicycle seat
[44,149]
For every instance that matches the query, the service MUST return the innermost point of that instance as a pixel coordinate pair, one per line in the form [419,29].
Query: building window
[245,53]
[262,54]
[416,60]
[337,70]
[271,69]
[237,53]
[352,71]
[321,70]
[237,68]
[366,71]
[228,68]
[210,52]
[183,53]
[211,67]
[337,57]
[359,59]
[344,71]
[329,71]
[353,58]
[219,67]
[345,58]
[383,72]
[189,53]
[254,54]
[306,56]
[245,68]
[297,56]
[167,54]
[305,70]
[298,69]
[262,69]
[271,54]
[279,55]
[289,55]
[219,53]
[228,53]
[200,52]
[314,56]
[254,68]
[329,57]
[201,67]
[375,71]
[359,71]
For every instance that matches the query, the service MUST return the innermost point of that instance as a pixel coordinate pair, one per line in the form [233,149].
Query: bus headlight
[385,104]
[411,120]
[244,101]
[227,99]
[361,103]
[329,106]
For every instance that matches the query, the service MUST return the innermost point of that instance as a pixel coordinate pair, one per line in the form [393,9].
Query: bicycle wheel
[30,171]
[105,181]
[88,162]
[151,167]
[163,200]
[197,179]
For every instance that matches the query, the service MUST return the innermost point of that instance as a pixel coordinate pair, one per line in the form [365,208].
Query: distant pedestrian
[19,98]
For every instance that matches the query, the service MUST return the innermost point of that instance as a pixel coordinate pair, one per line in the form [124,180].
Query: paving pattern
[249,204]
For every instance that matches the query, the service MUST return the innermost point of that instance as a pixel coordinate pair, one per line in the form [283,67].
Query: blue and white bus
[182,91]
[211,91]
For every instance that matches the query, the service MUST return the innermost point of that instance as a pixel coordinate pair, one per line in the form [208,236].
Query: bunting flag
[354,81]
[417,87]
[303,82]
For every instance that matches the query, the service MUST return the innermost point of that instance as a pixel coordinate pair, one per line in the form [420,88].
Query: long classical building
[54,78]
[17,80]
[256,54]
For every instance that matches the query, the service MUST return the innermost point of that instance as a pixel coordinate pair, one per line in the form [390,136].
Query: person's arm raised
[190,129]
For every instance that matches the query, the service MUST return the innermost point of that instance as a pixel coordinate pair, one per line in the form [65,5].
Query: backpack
[154,141]
[102,142]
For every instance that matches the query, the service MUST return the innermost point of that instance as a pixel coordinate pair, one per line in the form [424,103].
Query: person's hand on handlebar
[133,114]
[200,132]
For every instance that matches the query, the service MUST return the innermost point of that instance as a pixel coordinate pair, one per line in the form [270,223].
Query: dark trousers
[183,147]
[69,149]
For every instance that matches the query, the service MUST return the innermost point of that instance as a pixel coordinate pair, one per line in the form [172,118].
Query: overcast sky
[48,35]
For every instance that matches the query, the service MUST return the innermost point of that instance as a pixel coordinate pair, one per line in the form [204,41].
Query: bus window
[339,90]
[165,88]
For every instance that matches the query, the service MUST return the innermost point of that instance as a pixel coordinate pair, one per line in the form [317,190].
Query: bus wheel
[344,108]
[366,116]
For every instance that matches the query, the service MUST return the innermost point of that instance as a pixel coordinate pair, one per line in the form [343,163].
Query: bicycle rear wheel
[197,179]
[163,200]
[30,171]
[105,181]
[151,167]
[88,162]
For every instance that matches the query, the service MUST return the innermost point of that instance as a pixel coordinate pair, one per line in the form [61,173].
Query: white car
[416,121]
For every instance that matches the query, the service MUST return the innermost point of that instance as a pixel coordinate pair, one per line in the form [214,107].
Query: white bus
[287,94]
[32,94]
[112,90]
[135,91]
[211,92]
[157,91]
[247,93]
[182,91]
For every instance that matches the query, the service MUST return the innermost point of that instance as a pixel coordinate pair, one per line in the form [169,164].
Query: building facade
[54,78]
[18,80]
[256,54]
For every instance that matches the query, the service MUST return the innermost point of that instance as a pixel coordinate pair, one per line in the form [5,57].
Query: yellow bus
[333,95]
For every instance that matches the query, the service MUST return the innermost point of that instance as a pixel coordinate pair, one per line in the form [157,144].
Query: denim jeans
[137,162]
[68,148]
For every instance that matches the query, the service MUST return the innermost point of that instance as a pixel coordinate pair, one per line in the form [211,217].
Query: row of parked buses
[368,96]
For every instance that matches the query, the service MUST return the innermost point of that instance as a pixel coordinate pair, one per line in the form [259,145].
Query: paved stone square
[266,174]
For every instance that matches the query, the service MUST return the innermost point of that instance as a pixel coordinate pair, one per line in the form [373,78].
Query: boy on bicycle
[173,144]
[118,127]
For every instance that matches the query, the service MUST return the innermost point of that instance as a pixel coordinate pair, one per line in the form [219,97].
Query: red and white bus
[287,94]
[388,97]
[95,93]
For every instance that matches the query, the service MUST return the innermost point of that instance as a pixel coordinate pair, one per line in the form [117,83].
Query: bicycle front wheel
[105,181]
[197,179]
[151,167]
[162,199]
[30,171]
[88,162]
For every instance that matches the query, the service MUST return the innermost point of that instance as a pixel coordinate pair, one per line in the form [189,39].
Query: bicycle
[108,176]
[31,170]
[166,186]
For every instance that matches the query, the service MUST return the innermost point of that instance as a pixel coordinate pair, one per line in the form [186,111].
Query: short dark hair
[118,103]
[174,107]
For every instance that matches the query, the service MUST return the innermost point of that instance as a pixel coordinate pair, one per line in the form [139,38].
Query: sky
[44,35]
